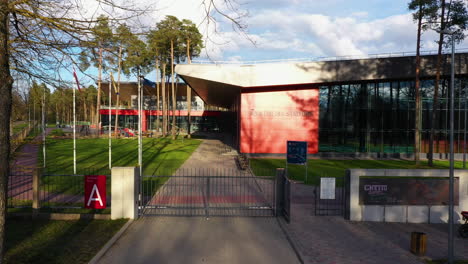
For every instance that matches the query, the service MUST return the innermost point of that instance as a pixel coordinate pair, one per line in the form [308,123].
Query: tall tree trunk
[56,113]
[189,60]
[436,86]
[118,95]
[6,85]
[417,99]
[164,106]
[173,132]
[189,94]
[168,103]
[98,101]
[85,109]
[157,94]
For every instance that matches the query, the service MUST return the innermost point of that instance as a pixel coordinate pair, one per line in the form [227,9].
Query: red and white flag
[76,79]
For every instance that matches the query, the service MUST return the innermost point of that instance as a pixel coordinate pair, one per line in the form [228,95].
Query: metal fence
[335,206]
[66,191]
[54,191]
[208,192]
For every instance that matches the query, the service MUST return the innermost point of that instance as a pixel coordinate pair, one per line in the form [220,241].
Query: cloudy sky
[289,29]
[286,29]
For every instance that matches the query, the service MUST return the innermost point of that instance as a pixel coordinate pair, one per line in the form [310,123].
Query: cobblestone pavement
[211,154]
[333,240]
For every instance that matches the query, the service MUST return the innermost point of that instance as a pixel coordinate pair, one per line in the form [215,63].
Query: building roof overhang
[218,84]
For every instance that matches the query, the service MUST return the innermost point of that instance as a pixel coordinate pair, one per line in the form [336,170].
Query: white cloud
[337,36]
[298,28]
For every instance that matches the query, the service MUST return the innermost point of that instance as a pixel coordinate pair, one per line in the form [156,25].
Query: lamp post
[451,167]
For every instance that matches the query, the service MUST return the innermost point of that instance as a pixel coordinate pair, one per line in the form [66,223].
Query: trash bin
[418,243]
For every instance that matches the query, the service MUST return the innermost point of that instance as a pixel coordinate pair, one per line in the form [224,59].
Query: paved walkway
[25,161]
[333,240]
[201,240]
[25,158]
[211,154]
[198,240]
[318,239]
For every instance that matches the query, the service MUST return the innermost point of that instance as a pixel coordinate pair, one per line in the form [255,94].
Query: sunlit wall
[269,119]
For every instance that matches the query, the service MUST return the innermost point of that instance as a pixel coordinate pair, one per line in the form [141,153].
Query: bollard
[418,243]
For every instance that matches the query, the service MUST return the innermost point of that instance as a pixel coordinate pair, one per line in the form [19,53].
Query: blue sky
[288,29]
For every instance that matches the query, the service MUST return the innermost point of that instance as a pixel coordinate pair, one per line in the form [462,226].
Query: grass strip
[336,168]
[51,241]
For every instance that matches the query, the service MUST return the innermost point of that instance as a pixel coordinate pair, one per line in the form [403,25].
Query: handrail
[331,58]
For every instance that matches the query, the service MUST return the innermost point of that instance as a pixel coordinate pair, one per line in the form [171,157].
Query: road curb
[291,242]
[110,243]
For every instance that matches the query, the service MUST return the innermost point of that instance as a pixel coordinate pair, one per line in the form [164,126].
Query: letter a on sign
[95,191]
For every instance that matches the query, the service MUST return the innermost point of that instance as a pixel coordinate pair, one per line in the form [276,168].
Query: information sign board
[95,192]
[327,188]
[406,191]
[296,152]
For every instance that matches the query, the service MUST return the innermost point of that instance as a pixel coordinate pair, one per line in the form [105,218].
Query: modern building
[337,105]
[204,117]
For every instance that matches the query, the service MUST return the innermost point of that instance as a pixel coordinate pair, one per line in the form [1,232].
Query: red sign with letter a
[95,192]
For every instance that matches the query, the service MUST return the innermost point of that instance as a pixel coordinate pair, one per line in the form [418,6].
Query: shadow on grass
[48,241]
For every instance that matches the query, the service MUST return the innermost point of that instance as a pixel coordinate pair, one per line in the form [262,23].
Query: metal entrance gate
[335,206]
[209,194]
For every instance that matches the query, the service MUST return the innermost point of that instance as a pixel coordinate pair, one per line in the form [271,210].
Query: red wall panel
[154,112]
[269,119]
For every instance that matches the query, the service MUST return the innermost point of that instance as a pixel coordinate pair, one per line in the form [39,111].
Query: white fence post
[124,192]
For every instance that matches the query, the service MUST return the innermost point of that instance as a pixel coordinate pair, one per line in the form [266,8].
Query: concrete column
[125,189]
[36,182]
[354,207]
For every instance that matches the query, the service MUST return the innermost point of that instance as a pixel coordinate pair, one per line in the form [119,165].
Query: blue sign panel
[297,152]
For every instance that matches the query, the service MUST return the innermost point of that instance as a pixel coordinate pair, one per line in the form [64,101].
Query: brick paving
[334,240]
[211,154]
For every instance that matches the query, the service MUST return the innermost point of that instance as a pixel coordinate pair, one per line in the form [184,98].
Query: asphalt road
[227,240]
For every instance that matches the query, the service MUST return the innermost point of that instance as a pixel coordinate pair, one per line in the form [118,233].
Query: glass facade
[198,123]
[380,116]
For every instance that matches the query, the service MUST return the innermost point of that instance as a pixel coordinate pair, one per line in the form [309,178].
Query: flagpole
[43,129]
[140,162]
[110,117]
[74,130]
[74,119]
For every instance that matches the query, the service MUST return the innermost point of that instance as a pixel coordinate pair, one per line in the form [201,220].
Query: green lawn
[160,155]
[49,241]
[336,168]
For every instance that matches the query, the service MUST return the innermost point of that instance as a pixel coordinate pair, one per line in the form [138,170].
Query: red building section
[146,113]
[270,118]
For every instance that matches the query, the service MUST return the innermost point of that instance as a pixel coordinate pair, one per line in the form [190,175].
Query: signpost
[327,188]
[95,192]
[297,154]
[406,191]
